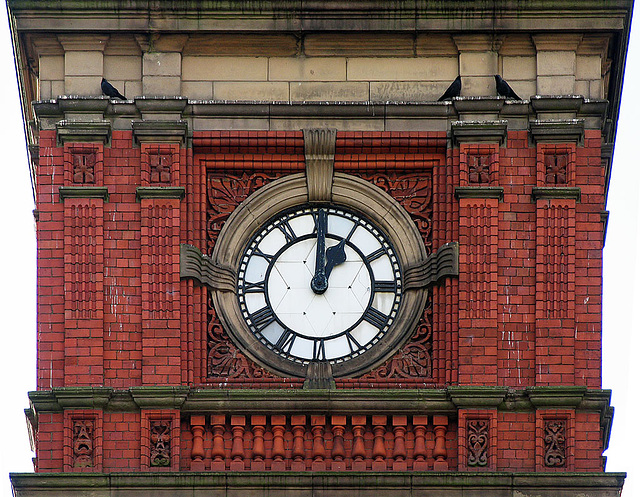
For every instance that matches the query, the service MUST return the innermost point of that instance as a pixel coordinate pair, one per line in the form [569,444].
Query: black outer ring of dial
[360,220]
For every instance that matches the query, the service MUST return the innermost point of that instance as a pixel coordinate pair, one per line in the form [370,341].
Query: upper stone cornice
[305,15]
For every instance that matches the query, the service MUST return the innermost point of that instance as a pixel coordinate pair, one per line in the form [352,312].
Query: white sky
[621,278]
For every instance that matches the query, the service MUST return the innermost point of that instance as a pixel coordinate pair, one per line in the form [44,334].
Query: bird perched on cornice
[110,91]
[453,90]
[504,90]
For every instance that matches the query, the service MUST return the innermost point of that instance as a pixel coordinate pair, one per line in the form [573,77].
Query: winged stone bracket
[193,264]
[442,264]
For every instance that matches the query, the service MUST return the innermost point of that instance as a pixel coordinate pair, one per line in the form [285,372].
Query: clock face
[319,283]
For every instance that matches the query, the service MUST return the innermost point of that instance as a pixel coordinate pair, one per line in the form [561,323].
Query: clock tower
[295,259]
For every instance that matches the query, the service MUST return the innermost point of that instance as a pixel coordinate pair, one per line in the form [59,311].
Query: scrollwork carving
[555,443]
[160,438]
[477,442]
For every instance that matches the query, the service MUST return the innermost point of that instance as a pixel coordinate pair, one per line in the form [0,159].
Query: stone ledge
[80,131]
[148,131]
[479,131]
[547,192]
[479,192]
[156,192]
[557,131]
[65,192]
[321,483]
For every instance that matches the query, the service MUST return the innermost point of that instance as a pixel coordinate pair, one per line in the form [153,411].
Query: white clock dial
[319,284]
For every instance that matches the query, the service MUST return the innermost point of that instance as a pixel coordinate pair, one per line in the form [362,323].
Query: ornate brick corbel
[319,153]
[193,264]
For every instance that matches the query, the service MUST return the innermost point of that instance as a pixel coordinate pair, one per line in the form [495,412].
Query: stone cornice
[461,15]
[479,131]
[479,192]
[82,131]
[555,192]
[296,483]
[370,401]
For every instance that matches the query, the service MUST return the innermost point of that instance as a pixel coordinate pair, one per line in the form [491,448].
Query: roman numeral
[260,253]
[353,343]
[285,342]
[287,231]
[257,287]
[384,286]
[375,255]
[375,317]
[318,351]
[262,318]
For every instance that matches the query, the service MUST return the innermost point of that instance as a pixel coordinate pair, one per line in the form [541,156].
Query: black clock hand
[319,280]
[335,256]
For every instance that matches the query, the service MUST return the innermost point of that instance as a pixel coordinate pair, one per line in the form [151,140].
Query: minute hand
[319,281]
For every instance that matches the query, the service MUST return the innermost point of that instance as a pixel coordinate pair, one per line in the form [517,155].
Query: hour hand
[335,256]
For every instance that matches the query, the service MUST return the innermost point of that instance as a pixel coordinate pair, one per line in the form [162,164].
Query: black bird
[109,90]
[504,90]
[453,90]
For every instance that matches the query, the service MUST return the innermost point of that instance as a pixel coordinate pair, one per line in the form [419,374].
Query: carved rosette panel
[83,445]
[414,193]
[223,357]
[160,443]
[414,359]
[84,163]
[556,168]
[224,193]
[479,168]
[477,442]
[555,443]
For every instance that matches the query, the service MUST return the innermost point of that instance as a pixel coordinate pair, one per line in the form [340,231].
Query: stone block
[51,67]
[45,90]
[224,68]
[332,92]
[555,85]
[519,68]
[278,124]
[399,91]
[402,69]
[478,86]
[123,67]
[83,63]
[197,90]
[582,88]
[524,89]
[478,63]
[82,85]
[132,89]
[307,69]
[161,86]
[596,89]
[263,90]
[207,124]
[57,88]
[588,67]
[161,64]
[556,63]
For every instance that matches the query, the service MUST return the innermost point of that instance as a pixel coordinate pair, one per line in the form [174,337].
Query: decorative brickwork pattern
[160,440]
[83,441]
[477,439]
[556,164]
[555,440]
[159,164]
[160,290]
[84,290]
[83,164]
[479,164]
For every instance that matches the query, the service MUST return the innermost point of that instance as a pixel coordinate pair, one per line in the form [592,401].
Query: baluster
[258,423]
[399,447]
[317,428]
[419,445]
[440,424]
[379,462]
[337,452]
[357,451]
[237,445]
[217,451]
[197,448]
[277,452]
[298,423]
